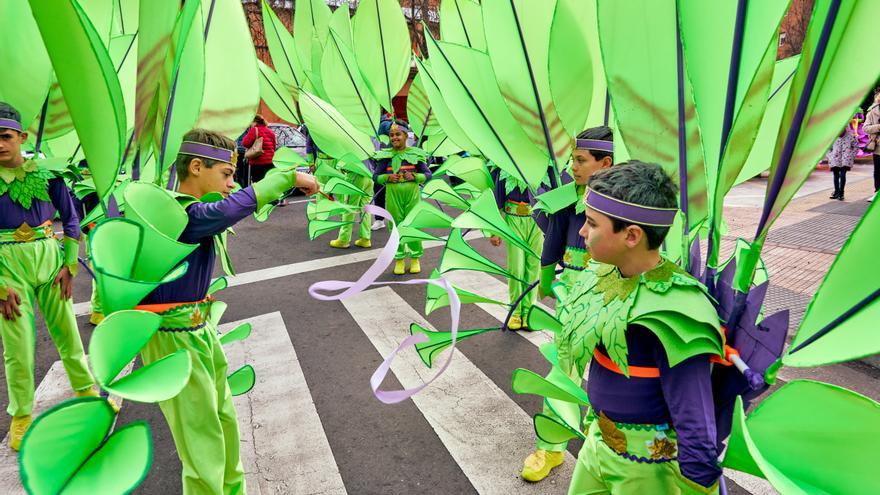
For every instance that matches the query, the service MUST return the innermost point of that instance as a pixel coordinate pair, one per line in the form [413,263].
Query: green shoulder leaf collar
[26,183]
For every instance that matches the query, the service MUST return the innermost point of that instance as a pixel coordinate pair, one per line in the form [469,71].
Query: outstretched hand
[495,240]
[9,307]
[307,184]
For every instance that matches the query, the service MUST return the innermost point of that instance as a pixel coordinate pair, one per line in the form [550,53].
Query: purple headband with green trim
[595,145]
[207,151]
[630,212]
[11,124]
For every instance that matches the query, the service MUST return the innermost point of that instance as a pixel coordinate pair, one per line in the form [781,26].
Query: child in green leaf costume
[33,269]
[402,170]
[647,332]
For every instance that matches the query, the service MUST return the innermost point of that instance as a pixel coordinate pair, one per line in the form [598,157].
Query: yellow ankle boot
[538,465]
[17,429]
[338,244]
[399,267]
[415,266]
[363,243]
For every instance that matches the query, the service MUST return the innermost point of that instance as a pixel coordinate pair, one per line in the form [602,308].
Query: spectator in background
[872,127]
[259,138]
[841,157]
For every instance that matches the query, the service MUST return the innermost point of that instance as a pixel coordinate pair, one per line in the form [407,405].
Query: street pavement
[311,424]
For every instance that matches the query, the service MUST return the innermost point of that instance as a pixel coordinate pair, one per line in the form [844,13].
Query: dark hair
[640,183]
[600,133]
[203,136]
[7,111]
[259,120]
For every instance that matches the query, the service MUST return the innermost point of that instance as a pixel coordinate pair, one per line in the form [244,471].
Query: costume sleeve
[379,175]
[423,173]
[687,390]
[498,186]
[250,137]
[63,202]
[210,219]
[554,238]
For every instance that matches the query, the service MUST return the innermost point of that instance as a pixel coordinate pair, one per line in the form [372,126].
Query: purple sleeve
[687,390]
[422,168]
[63,202]
[209,219]
[500,197]
[554,238]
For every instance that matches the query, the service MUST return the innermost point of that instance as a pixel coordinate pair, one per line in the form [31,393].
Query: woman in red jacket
[260,164]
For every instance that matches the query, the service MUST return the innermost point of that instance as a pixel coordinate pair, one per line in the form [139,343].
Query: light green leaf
[441,110]
[382,48]
[332,132]
[345,86]
[24,53]
[285,58]
[461,21]
[274,93]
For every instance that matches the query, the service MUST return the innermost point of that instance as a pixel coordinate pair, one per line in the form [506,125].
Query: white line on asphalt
[52,390]
[254,276]
[283,444]
[470,414]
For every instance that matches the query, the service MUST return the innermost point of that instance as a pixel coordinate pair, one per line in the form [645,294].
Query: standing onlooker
[841,157]
[872,127]
[262,162]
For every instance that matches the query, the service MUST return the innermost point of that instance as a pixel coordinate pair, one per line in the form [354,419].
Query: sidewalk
[805,239]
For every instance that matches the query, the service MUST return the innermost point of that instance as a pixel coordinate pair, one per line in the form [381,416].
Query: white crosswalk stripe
[469,413]
[283,445]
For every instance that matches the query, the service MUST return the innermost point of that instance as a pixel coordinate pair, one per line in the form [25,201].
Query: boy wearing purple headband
[32,267]
[202,417]
[563,245]
[647,331]
[402,170]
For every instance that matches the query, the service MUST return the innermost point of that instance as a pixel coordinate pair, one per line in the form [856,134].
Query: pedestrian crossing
[285,444]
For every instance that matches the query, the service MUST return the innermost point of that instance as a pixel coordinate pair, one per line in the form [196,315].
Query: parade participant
[514,199]
[647,331]
[202,417]
[34,269]
[594,151]
[401,170]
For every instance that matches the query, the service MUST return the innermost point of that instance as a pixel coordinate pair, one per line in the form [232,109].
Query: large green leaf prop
[843,315]
[461,21]
[311,25]
[552,430]
[411,234]
[24,53]
[382,48]
[285,58]
[91,88]
[470,169]
[787,436]
[231,97]
[762,150]
[731,87]
[518,42]
[116,247]
[418,109]
[424,215]
[333,133]
[440,190]
[466,80]
[274,93]
[557,385]
[651,98]
[439,341]
[829,84]
[242,380]
[237,334]
[181,94]
[437,297]
[70,449]
[484,215]
[459,255]
[156,22]
[441,110]
[116,342]
[345,86]
[573,78]
[163,220]
[319,227]
[341,187]
[558,198]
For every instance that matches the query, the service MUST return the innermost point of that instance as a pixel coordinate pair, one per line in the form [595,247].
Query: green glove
[421,178]
[71,251]
[548,275]
[382,179]
[274,185]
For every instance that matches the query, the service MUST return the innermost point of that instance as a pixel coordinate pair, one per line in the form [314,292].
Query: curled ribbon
[329,290]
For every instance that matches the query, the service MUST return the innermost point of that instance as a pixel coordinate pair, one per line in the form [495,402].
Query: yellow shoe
[17,429]
[515,323]
[415,266]
[91,392]
[363,243]
[538,465]
[338,244]
[399,267]
[96,318]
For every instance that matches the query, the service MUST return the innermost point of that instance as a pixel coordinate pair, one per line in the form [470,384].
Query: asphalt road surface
[311,424]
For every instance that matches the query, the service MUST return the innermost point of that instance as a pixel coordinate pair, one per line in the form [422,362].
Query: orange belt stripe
[636,371]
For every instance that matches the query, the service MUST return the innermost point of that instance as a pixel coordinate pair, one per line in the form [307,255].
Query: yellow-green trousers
[522,265]
[602,471]
[202,417]
[366,184]
[30,268]
[400,199]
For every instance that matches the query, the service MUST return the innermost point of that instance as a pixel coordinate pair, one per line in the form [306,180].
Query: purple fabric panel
[562,230]
[629,212]
[63,202]
[10,124]
[12,215]
[210,219]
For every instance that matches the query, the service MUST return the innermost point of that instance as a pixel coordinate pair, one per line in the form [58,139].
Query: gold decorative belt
[26,233]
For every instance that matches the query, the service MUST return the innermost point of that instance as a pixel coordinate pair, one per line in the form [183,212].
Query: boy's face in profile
[218,178]
[584,164]
[10,146]
[604,244]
